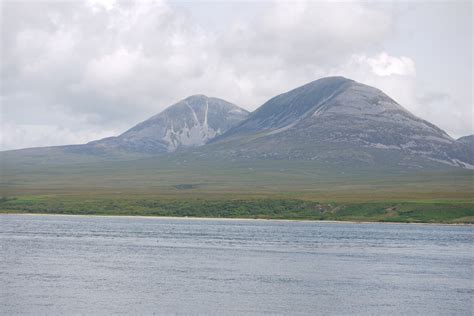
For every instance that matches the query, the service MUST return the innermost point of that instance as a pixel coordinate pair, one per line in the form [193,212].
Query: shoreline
[236,219]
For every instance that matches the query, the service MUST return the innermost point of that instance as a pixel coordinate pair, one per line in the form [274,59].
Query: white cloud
[110,69]
[385,65]
[97,5]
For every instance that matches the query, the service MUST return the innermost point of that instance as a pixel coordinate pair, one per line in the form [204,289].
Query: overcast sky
[76,71]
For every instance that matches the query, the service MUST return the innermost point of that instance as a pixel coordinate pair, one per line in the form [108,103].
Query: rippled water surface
[103,265]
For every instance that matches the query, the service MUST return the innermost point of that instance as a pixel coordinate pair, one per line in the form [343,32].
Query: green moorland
[262,208]
[257,189]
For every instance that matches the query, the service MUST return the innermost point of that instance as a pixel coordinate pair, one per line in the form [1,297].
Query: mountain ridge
[331,120]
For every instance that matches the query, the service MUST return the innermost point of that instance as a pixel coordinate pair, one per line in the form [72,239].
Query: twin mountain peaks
[331,120]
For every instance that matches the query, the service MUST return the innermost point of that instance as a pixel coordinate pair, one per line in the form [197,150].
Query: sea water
[132,265]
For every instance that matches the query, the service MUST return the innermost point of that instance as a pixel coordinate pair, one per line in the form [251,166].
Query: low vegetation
[263,208]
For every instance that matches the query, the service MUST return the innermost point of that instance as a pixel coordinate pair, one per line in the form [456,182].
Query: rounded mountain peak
[190,122]
[200,103]
[197,97]
[331,79]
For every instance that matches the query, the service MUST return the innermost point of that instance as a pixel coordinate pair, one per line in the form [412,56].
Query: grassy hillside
[252,189]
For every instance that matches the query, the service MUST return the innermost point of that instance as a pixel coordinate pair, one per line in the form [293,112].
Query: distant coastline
[235,219]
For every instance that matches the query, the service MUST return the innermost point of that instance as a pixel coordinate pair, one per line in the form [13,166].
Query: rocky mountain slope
[341,121]
[467,140]
[189,123]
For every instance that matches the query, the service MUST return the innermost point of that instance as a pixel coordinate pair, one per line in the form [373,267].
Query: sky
[76,71]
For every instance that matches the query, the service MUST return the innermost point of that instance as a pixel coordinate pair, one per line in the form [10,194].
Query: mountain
[189,123]
[331,121]
[341,121]
[468,140]
[464,148]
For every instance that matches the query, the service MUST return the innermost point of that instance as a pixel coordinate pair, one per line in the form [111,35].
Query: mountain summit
[339,120]
[190,122]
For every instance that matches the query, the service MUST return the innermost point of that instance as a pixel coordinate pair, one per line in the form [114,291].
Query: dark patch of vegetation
[6,199]
[186,186]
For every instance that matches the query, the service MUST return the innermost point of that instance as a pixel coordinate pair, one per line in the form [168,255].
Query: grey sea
[61,265]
